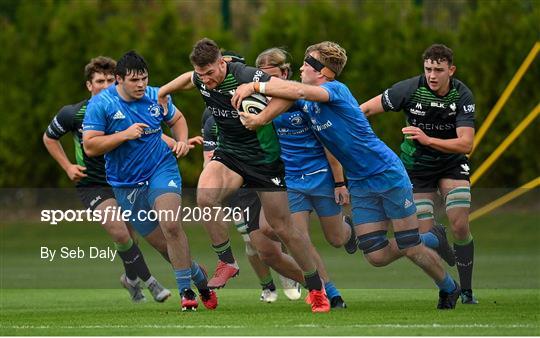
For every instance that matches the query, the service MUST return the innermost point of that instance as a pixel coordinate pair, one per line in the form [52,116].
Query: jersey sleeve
[334,90]
[95,117]
[209,134]
[465,109]
[62,123]
[171,108]
[395,97]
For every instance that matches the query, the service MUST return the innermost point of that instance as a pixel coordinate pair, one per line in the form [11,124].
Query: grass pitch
[370,312]
[83,296]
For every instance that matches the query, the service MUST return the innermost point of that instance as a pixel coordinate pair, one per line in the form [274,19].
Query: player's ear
[452,70]
[89,86]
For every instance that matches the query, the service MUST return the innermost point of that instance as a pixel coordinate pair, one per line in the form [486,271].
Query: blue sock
[429,240]
[197,275]
[183,279]
[331,290]
[447,285]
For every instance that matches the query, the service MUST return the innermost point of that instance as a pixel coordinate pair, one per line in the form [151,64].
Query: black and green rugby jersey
[252,147]
[438,116]
[69,119]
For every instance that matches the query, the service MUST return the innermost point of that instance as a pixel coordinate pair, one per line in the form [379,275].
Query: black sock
[270,286]
[464,263]
[134,263]
[313,280]
[224,252]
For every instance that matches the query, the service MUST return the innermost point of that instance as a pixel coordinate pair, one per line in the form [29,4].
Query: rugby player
[247,198]
[124,123]
[243,158]
[438,135]
[88,174]
[313,176]
[378,183]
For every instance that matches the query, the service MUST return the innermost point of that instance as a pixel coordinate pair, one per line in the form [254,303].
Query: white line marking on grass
[364,326]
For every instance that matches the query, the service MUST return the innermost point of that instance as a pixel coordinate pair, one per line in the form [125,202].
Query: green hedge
[46,44]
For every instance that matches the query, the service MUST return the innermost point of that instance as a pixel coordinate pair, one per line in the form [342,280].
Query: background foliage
[46,43]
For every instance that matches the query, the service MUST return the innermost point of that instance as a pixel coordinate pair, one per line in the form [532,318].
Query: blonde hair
[331,55]
[276,57]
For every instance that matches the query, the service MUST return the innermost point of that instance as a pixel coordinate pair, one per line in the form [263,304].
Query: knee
[269,257]
[207,199]
[460,231]
[376,259]
[118,232]
[279,230]
[268,232]
[171,229]
[335,241]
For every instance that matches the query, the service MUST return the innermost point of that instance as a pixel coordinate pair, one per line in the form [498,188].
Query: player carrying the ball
[243,158]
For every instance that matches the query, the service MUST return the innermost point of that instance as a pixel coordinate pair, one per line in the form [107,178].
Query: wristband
[262,87]
[339,184]
[256,86]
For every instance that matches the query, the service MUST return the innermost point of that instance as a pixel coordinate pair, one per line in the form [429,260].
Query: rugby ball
[254,103]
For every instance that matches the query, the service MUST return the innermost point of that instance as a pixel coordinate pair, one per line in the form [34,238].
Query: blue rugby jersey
[301,152]
[136,160]
[344,130]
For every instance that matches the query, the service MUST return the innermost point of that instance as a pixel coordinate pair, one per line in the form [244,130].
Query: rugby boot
[268,296]
[447,301]
[223,273]
[208,297]
[159,293]
[318,300]
[189,300]
[337,303]
[291,288]
[467,297]
[135,291]
[352,244]
[444,249]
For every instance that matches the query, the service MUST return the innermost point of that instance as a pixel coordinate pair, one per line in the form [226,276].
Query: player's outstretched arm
[461,145]
[179,129]
[182,82]
[372,106]
[290,90]
[75,172]
[96,143]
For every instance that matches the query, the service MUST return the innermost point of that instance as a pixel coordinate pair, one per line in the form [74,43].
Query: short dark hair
[204,52]
[131,62]
[439,53]
[100,64]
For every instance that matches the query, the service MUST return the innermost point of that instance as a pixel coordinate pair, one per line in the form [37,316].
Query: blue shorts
[166,179]
[313,191]
[383,196]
